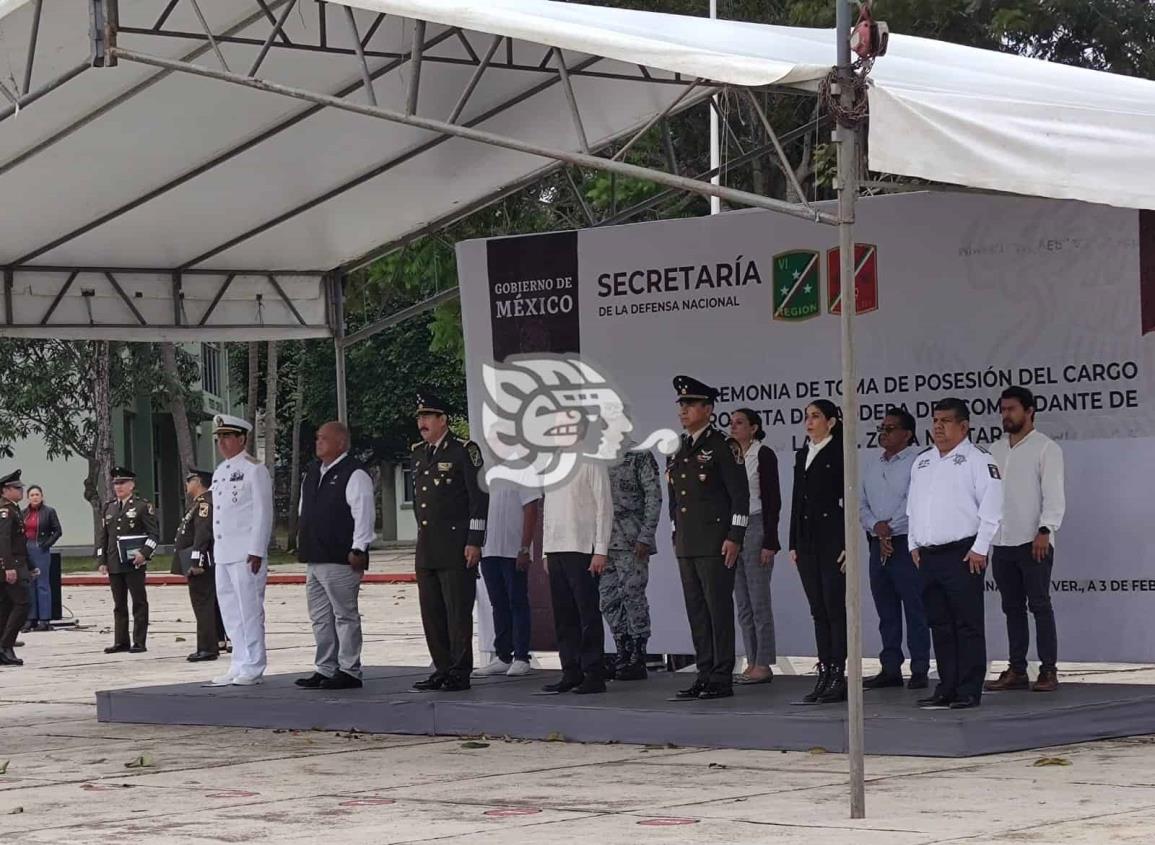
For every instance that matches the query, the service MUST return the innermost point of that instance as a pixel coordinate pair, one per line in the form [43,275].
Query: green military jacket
[13,546]
[709,494]
[196,532]
[136,517]
[448,503]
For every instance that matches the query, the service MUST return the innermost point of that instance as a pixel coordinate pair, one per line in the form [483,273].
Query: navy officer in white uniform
[955,505]
[242,525]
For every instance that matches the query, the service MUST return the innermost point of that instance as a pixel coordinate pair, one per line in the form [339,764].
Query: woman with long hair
[756,561]
[41,530]
[818,543]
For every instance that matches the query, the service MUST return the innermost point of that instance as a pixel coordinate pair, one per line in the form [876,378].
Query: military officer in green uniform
[709,508]
[14,564]
[132,519]
[195,533]
[450,508]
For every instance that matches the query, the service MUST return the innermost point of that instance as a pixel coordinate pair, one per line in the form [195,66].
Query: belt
[893,537]
[964,543]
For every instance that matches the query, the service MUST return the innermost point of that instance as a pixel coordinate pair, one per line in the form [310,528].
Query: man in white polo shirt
[1024,553]
[954,506]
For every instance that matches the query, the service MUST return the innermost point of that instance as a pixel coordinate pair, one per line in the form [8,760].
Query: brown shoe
[1008,680]
[1048,681]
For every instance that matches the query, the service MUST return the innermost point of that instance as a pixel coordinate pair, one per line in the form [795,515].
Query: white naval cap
[228,424]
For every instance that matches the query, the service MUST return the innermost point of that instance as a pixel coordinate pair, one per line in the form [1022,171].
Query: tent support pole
[338,288]
[846,137]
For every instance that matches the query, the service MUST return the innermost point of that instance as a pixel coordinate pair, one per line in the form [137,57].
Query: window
[211,368]
[407,483]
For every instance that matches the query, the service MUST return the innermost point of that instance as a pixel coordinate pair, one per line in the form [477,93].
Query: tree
[254,375]
[175,388]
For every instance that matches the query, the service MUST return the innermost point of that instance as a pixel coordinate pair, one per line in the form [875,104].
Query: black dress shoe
[198,656]
[433,682]
[8,658]
[115,649]
[27,627]
[692,691]
[965,703]
[935,701]
[918,681]
[564,685]
[590,684]
[455,684]
[341,681]
[314,681]
[883,680]
[137,649]
[44,626]
[713,691]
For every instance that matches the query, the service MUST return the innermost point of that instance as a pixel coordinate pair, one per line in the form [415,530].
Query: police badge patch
[994,471]
[474,452]
[203,510]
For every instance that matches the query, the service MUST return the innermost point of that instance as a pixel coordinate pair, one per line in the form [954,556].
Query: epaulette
[252,459]
[416,445]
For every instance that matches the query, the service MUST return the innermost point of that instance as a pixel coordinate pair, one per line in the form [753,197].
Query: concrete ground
[71,779]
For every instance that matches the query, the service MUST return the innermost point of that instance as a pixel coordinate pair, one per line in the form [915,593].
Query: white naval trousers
[241,595]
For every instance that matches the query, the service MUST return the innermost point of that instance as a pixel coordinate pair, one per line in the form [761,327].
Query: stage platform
[760,717]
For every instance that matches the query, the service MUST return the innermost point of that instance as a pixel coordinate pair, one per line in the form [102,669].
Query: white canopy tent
[214,175]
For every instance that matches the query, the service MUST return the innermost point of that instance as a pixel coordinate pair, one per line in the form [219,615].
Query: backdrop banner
[958,295]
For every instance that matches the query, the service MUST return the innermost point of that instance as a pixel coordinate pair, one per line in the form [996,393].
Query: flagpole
[715,144]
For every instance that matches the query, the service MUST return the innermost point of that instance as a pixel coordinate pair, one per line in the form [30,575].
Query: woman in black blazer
[42,530]
[817,544]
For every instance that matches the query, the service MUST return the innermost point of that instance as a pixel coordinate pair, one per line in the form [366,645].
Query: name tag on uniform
[705,457]
[445,466]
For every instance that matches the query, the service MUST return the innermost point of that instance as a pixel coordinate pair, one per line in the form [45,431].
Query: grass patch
[159,564]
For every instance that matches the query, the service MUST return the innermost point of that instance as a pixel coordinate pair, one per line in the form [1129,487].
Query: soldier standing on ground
[132,519]
[196,533]
[14,565]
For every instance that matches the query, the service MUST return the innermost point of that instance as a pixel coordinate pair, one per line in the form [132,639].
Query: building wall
[406,522]
[63,483]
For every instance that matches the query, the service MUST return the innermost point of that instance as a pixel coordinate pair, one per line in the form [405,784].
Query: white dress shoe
[519,668]
[246,680]
[222,681]
[497,666]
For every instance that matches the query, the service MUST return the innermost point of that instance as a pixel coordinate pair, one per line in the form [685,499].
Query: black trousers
[1025,584]
[202,593]
[446,598]
[124,584]
[708,588]
[577,615]
[825,588]
[952,596]
[13,610]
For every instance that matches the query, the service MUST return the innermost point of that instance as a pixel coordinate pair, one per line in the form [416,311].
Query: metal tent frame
[553,75]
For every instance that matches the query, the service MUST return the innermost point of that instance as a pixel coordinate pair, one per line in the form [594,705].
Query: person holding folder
[127,538]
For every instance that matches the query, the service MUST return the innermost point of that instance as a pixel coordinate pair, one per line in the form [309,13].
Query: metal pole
[715,136]
[845,137]
[338,284]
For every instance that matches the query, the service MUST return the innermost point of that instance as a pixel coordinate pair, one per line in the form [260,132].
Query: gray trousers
[752,597]
[332,590]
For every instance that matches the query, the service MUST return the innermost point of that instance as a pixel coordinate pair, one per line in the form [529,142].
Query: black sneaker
[341,680]
[311,682]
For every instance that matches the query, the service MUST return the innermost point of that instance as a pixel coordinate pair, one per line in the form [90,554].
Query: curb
[179,580]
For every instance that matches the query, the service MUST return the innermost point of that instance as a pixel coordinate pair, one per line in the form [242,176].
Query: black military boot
[835,687]
[614,663]
[634,669]
[824,677]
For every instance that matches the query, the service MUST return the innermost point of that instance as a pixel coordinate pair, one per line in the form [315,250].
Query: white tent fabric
[938,111]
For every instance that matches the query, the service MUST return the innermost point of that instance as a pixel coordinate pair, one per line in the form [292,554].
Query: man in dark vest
[196,533]
[451,510]
[13,568]
[333,535]
[132,519]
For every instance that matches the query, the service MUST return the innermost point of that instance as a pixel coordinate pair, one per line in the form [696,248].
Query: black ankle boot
[819,686]
[835,686]
[615,662]
[634,668]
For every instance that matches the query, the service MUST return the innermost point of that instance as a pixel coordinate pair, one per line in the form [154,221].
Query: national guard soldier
[242,525]
[636,486]
[709,509]
[954,507]
[124,545]
[451,511]
[14,564]
[196,534]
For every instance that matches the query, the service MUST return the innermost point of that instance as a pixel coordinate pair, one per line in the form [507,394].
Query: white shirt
[242,509]
[812,449]
[751,460]
[954,496]
[359,498]
[579,516]
[1033,494]
[507,501]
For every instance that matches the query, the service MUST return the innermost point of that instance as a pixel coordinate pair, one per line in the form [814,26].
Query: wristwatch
[1045,531]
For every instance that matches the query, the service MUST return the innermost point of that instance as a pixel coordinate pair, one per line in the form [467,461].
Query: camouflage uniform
[637,495]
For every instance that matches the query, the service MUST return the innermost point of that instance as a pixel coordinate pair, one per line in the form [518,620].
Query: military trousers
[708,588]
[202,593]
[123,585]
[241,594]
[13,608]
[446,597]
[622,589]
